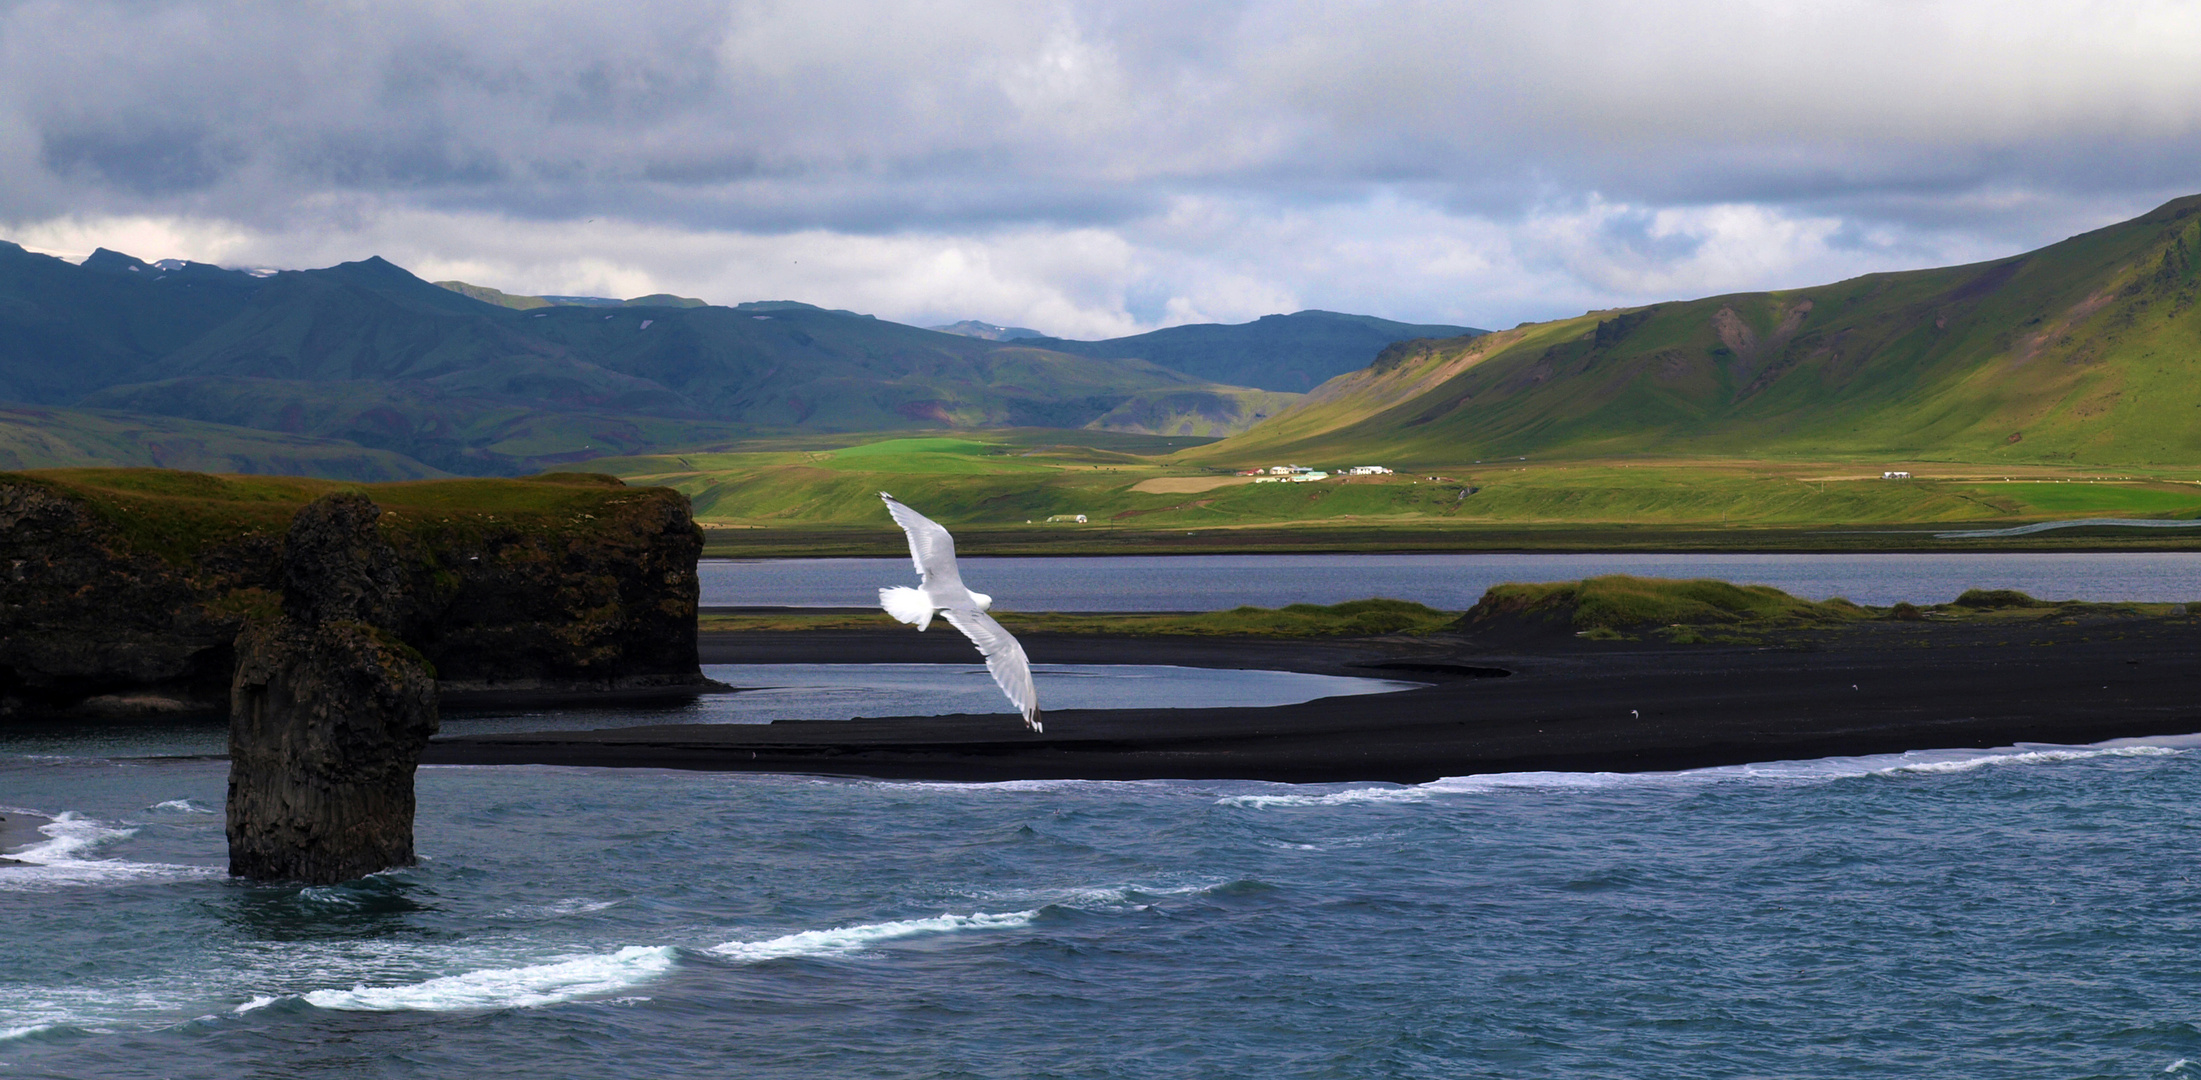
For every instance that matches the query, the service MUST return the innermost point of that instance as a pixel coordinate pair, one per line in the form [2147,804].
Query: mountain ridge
[2081,351]
[366,353]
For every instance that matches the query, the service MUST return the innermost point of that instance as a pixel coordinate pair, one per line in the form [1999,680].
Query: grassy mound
[1619,604]
[180,516]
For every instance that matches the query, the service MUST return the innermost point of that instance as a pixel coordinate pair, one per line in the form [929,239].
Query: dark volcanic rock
[327,725]
[105,613]
[338,568]
[328,712]
[610,607]
[89,627]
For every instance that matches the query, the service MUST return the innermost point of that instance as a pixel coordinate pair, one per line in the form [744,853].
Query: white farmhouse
[1367,470]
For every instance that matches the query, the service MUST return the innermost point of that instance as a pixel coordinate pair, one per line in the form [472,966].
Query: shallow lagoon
[1448,582]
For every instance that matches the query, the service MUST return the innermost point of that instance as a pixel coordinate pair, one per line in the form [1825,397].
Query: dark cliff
[122,591]
[329,710]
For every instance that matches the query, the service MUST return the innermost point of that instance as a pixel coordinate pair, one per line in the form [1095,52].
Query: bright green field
[974,484]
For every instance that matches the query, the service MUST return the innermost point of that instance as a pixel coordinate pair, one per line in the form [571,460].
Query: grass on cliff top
[175,515]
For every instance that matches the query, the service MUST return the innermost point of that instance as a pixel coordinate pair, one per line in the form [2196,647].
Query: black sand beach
[1561,704]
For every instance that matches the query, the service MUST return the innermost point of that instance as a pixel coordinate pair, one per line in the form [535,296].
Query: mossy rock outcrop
[122,590]
[1621,604]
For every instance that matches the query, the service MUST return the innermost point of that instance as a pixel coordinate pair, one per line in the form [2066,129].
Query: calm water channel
[1450,582]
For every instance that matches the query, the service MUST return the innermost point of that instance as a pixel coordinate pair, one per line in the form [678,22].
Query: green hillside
[982,479]
[2087,352]
[46,438]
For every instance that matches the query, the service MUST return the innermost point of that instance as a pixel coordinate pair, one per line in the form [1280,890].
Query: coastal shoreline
[1562,705]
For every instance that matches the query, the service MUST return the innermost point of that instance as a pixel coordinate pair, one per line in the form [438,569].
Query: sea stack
[329,709]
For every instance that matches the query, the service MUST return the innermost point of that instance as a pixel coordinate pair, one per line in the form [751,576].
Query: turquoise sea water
[2018,912]
[2011,912]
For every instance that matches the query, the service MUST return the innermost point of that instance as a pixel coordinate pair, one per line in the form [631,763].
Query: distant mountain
[988,331]
[367,353]
[2083,351]
[66,330]
[487,295]
[1292,353]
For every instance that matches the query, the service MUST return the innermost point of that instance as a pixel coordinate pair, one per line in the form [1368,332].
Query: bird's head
[985,602]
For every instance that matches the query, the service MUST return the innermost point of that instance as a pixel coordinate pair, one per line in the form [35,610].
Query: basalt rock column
[329,710]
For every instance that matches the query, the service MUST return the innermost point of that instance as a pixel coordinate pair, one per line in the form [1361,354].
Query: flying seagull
[944,593]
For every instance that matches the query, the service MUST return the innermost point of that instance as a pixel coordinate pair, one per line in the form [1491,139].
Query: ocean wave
[1097,897]
[2033,757]
[1916,762]
[851,939]
[557,909]
[969,787]
[182,806]
[60,861]
[1332,798]
[498,988]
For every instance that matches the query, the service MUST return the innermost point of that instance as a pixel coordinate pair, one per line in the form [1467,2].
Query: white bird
[944,593]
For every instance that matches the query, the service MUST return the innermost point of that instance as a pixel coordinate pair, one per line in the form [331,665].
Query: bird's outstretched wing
[930,546]
[1004,658]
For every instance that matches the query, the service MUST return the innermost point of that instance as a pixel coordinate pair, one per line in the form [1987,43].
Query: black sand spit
[1865,688]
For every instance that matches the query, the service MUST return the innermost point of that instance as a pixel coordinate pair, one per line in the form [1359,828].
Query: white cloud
[1199,259]
[1093,167]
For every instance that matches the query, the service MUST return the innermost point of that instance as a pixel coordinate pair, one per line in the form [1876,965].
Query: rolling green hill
[34,437]
[2085,352]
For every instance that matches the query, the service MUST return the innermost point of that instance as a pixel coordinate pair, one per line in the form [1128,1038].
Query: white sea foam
[1095,897]
[2032,757]
[501,988]
[181,806]
[1333,798]
[558,909]
[1917,762]
[961,787]
[851,939]
[7,1034]
[60,861]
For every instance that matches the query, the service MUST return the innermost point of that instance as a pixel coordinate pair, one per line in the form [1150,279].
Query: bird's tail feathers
[907,605]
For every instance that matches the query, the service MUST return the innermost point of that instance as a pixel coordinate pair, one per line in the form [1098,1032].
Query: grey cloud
[902,116]
[1923,129]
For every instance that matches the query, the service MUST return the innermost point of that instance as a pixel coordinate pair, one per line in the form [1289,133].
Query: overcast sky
[1092,169]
